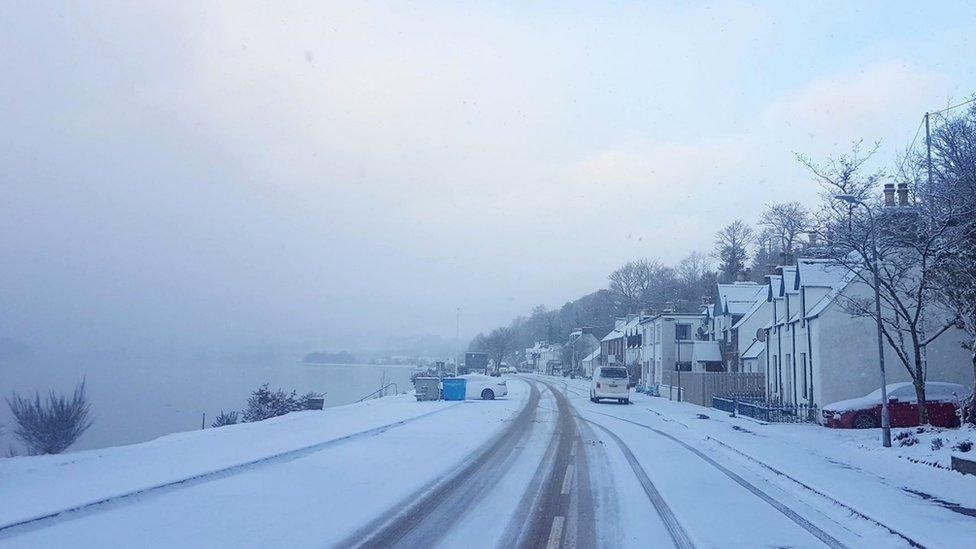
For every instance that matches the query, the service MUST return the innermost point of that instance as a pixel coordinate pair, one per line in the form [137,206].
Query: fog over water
[138,400]
[187,179]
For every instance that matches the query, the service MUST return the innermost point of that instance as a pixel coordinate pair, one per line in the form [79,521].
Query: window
[613,373]
[682,332]
[683,366]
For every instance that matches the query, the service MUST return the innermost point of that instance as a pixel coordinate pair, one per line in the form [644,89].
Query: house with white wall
[582,344]
[668,343]
[732,303]
[539,356]
[590,362]
[818,352]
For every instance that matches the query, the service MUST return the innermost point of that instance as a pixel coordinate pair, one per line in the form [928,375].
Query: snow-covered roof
[592,356]
[820,273]
[706,351]
[748,314]
[788,282]
[836,288]
[754,351]
[614,334]
[738,307]
[738,297]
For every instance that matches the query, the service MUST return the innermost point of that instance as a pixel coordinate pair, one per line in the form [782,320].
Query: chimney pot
[903,194]
[889,194]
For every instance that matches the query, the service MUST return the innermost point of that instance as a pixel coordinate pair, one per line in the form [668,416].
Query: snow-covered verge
[930,504]
[35,486]
[932,446]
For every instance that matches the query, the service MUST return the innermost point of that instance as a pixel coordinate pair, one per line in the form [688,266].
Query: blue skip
[452,388]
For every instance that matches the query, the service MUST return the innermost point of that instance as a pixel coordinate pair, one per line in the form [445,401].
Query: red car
[941,399]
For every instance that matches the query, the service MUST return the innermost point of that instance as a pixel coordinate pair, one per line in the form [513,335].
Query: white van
[610,382]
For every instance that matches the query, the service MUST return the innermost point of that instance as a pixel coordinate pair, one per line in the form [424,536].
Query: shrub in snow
[911,440]
[51,426]
[963,446]
[903,435]
[225,418]
[936,444]
[265,403]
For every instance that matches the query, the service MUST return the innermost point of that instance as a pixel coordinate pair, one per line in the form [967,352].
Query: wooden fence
[700,387]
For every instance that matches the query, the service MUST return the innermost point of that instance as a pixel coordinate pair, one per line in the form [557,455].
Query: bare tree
[51,426]
[953,186]
[783,223]
[499,344]
[732,248]
[911,242]
[694,279]
[629,283]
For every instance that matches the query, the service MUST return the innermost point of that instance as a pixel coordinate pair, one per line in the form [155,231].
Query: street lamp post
[885,418]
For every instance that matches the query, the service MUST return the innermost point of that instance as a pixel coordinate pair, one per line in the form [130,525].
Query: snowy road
[542,468]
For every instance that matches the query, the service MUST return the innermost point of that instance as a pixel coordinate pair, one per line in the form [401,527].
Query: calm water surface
[135,401]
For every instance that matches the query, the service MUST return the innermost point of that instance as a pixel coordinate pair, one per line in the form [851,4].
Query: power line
[917,131]
[955,106]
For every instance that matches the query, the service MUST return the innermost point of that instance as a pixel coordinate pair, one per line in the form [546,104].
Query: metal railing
[773,412]
[383,390]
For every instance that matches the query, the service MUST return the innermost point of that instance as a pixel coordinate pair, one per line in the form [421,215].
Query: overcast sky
[238,173]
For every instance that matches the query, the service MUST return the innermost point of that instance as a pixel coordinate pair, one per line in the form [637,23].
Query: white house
[582,342]
[591,361]
[817,352]
[668,343]
[731,317]
[632,345]
[747,336]
[541,355]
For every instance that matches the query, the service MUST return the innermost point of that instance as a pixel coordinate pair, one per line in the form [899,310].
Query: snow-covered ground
[335,469]
[491,473]
[931,505]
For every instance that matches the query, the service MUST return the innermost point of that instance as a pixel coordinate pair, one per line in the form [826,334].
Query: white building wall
[846,358]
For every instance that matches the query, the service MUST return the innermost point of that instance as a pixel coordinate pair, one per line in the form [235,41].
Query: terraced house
[818,352]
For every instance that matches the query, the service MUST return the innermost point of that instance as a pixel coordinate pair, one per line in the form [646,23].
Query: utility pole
[928,150]
[457,341]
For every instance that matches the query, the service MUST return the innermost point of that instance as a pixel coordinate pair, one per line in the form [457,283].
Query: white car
[610,382]
[484,387]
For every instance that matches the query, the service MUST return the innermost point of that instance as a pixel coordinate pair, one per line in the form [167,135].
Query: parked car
[610,382]
[484,387]
[941,399]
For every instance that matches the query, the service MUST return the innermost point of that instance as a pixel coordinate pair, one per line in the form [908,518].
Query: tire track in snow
[107,503]
[426,515]
[824,537]
[675,530]
[554,508]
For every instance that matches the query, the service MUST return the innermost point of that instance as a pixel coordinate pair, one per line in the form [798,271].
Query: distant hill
[325,357]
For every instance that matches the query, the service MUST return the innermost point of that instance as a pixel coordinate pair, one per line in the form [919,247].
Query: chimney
[902,194]
[740,276]
[889,194]
[770,270]
[812,238]
[782,258]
